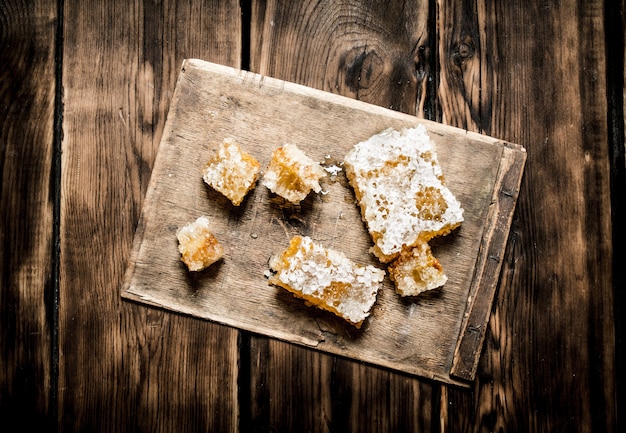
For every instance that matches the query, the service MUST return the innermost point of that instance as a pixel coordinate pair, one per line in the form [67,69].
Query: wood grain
[488,265]
[551,330]
[377,53]
[124,367]
[330,394]
[27,195]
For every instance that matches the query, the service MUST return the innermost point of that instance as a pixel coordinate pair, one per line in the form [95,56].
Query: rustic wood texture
[535,73]
[488,266]
[376,52]
[27,196]
[551,332]
[213,102]
[125,367]
[331,394]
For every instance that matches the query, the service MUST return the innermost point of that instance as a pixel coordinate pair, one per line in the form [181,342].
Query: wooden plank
[339,390]
[548,362]
[291,371]
[483,286]
[27,195]
[369,44]
[377,53]
[124,367]
[212,102]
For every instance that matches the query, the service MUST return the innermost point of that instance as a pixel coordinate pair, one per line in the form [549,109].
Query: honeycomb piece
[400,189]
[292,175]
[327,279]
[416,270]
[198,246]
[232,171]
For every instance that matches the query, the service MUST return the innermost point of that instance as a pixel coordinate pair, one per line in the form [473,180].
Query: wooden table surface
[85,88]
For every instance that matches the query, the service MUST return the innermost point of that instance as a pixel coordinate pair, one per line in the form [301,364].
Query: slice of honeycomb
[399,186]
[198,246]
[416,270]
[327,279]
[292,175]
[232,171]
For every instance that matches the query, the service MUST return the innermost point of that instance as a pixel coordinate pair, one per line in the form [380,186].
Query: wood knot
[362,67]
[462,52]
[465,50]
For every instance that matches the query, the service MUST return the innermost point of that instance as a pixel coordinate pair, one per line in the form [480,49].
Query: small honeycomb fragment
[399,186]
[292,175]
[416,270]
[232,171]
[327,279]
[198,246]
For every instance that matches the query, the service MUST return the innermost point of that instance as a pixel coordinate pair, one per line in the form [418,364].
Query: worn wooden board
[434,335]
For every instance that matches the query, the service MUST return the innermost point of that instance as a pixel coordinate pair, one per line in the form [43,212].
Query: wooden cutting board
[437,335]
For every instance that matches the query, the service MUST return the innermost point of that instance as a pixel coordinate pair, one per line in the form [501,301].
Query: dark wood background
[84,93]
